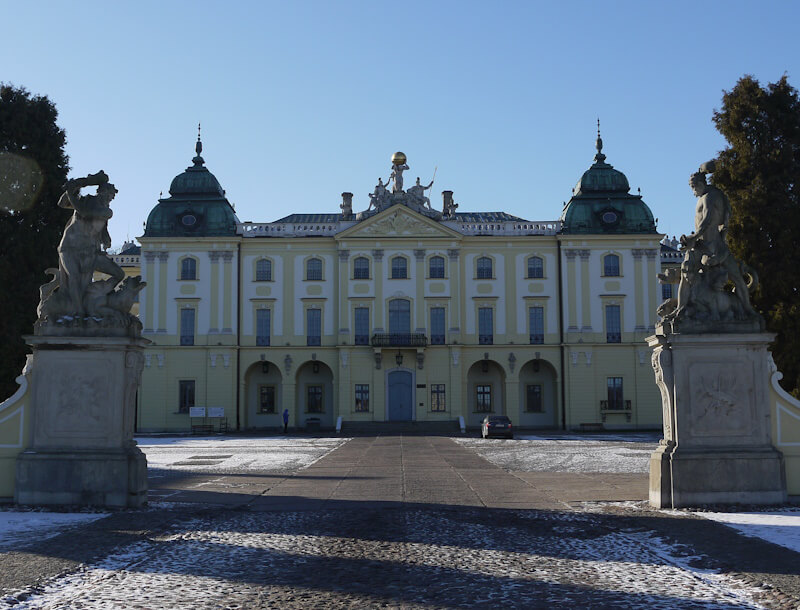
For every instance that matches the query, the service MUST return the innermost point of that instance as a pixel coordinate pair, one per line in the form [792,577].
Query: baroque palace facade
[400,312]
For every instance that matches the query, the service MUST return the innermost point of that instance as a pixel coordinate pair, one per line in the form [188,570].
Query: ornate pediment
[398,222]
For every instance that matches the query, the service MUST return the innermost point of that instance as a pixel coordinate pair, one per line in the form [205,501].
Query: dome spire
[198,160]
[599,157]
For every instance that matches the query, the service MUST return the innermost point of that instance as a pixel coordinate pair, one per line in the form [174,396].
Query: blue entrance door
[400,396]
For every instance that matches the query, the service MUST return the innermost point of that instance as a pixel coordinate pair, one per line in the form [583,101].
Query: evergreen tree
[33,170]
[760,173]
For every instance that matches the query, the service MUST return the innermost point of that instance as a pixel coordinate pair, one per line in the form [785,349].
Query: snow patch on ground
[19,527]
[235,454]
[624,454]
[778,527]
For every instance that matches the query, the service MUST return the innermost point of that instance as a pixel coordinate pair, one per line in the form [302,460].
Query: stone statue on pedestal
[72,301]
[703,302]
[86,369]
[711,365]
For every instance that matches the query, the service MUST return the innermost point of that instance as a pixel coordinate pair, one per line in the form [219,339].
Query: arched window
[436,267]
[264,270]
[361,268]
[484,268]
[535,267]
[399,317]
[314,269]
[611,265]
[399,268]
[188,269]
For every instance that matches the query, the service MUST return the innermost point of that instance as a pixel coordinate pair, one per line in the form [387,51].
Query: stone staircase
[433,428]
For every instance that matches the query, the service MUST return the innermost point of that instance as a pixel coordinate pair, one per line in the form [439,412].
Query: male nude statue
[79,253]
[706,248]
[417,192]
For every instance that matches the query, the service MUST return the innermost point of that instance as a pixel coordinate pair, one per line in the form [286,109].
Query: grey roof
[487,217]
[131,250]
[312,218]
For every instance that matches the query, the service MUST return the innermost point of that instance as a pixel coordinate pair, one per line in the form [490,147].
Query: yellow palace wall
[227,366]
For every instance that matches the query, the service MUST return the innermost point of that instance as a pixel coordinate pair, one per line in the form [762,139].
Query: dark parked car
[496,425]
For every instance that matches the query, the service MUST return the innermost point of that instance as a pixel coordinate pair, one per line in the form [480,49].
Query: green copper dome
[196,207]
[601,203]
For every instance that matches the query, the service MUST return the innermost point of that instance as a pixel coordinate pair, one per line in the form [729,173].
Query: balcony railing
[613,338]
[437,339]
[485,339]
[624,405]
[399,340]
[537,339]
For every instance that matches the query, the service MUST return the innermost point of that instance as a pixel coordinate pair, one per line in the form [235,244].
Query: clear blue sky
[300,101]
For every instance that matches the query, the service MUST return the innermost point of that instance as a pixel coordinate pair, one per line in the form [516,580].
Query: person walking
[285,421]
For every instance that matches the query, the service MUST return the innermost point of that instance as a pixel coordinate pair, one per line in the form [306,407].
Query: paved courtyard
[398,521]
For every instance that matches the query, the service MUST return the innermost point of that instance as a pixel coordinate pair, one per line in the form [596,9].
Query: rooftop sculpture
[381,198]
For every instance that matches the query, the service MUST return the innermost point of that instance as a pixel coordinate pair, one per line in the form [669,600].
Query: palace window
[438,397]
[611,265]
[361,268]
[399,268]
[437,326]
[666,291]
[187,326]
[613,329]
[314,399]
[185,395]
[313,327]
[314,269]
[484,268]
[262,326]
[266,399]
[615,395]
[533,398]
[188,269]
[536,320]
[362,398]
[436,267]
[535,267]
[361,325]
[264,270]
[485,325]
[483,398]
[399,317]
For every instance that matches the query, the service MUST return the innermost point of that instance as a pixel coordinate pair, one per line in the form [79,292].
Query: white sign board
[197,411]
[216,411]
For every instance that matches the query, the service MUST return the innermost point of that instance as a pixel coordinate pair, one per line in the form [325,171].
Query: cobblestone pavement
[401,551]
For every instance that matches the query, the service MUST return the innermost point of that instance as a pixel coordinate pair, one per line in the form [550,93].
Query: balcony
[615,406]
[399,340]
[537,339]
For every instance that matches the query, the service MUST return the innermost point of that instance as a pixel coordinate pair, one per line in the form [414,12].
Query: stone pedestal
[83,393]
[717,434]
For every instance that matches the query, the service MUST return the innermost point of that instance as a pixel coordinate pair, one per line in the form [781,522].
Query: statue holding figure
[379,197]
[417,194]
[709,265]
[72,293]
[398,167]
